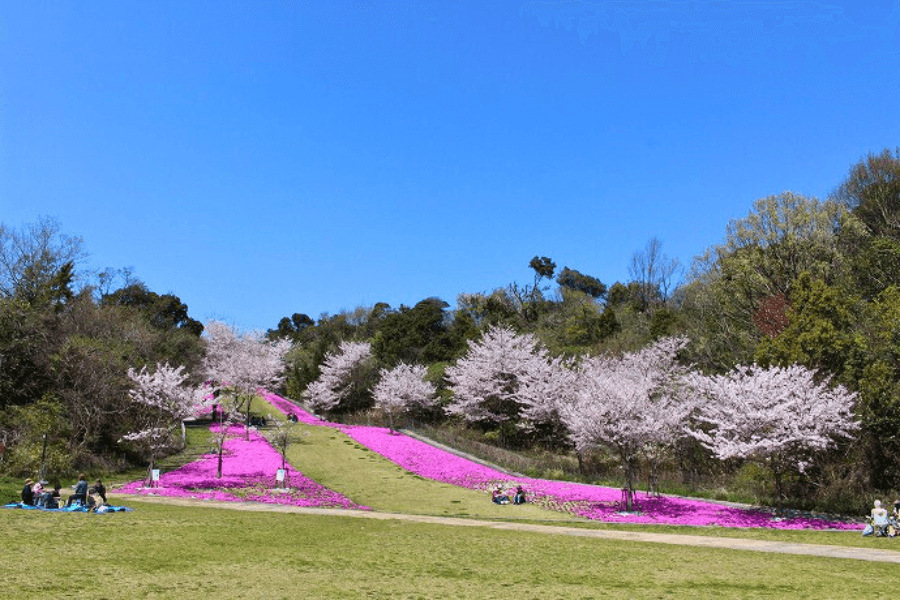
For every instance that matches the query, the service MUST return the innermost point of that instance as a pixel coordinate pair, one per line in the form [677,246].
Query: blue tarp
[74,508]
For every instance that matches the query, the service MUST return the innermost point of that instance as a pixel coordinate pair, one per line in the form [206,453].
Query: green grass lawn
[167,551]
[161,551]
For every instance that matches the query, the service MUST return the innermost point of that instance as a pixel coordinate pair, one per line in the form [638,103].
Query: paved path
[868,554]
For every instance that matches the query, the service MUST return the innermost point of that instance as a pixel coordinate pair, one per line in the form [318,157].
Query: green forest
[797,281]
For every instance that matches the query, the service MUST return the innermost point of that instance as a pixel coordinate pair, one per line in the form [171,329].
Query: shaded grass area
[171,551]
[199,441]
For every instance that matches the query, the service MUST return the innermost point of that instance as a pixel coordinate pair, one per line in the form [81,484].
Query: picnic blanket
[102,509]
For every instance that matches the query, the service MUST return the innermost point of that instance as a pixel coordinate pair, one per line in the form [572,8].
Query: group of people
[517,496]
[37,494]
[882,522]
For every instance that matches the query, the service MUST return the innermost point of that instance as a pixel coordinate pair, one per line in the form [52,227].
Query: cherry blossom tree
[635,405]
[779,417]
[281,436]
[163,402]
[402,389]
[543,395]
[343,377]
[239,364]
[505,377]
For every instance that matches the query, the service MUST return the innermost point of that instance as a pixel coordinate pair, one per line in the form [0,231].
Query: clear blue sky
[260,158]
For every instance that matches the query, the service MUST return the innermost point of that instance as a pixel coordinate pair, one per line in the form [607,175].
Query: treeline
[67,340]
[798,281]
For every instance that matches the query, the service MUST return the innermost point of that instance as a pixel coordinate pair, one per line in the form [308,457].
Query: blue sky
[260,158]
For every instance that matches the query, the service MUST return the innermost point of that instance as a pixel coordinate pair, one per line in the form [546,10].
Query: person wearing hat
[28,493]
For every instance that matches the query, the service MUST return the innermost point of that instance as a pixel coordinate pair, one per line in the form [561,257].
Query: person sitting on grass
[37,489]
[519,498]
[498,497]
[81,490]
[879,520]
[49,497]
[48,500]
[894,520]
[28,493]
[100,490]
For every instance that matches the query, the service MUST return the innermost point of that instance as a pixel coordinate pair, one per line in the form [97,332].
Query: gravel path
[870,554]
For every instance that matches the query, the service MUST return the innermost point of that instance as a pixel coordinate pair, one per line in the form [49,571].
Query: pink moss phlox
[583,500]
[289,408]
[248,473]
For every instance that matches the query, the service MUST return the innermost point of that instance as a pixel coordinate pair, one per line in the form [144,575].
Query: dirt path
[868,554]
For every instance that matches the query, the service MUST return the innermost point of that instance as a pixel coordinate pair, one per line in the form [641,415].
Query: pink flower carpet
[248,474]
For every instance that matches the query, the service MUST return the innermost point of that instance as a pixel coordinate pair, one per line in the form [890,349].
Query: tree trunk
[630,463]
[779,488]
[247,424]
[654,478]
[150,469]
[221,442]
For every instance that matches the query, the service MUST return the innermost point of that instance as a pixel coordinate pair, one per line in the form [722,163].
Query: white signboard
[154,475]
[279,475]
